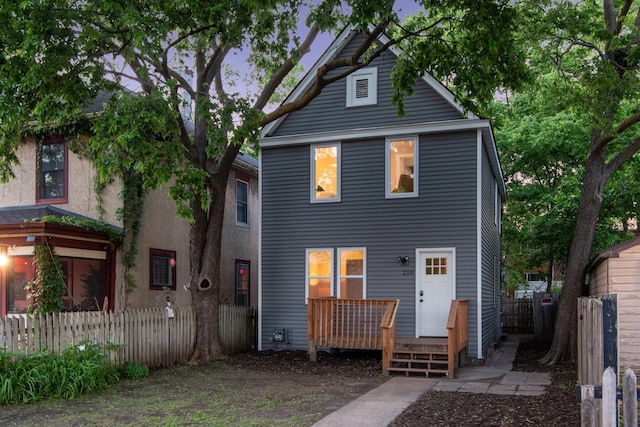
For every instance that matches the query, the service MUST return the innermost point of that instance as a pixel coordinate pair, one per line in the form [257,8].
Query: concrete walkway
[381,405]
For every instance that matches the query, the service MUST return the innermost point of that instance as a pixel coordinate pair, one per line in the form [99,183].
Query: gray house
[360,204]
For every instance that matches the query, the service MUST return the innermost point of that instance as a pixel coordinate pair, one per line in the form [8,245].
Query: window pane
[89,283]
[351,288]
[319,288]
[162,269]
[319,263]
[242,284]
[52,171]
[19,273]
[242,202]
[401,166]
[352,273]
[319,273]
[326,172]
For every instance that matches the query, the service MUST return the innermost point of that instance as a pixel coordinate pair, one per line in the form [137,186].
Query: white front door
[434,291]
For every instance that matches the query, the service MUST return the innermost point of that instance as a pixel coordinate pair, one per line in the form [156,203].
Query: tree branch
[285,69]
[626,124]
[621,157]
[609,15]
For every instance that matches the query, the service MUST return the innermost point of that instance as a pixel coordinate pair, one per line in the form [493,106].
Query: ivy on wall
[48,287]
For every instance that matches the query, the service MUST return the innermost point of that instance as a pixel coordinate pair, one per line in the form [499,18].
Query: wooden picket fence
[156,337]
[599,405]
[517,315]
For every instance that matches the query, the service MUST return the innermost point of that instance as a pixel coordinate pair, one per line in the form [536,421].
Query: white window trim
[364,270]
[312,183]
[371,74]
[240,223]
[387,168]
[306,271]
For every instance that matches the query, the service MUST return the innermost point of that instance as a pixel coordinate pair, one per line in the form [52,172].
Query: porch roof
[20,222]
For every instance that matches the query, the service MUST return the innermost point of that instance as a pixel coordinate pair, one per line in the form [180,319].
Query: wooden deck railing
[352,324]
[457,331]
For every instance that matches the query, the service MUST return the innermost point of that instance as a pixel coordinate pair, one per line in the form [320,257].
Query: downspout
[479,241]
[260,252]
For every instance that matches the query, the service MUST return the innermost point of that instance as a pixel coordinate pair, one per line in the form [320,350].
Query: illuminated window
[319,273]
[325,173]
[352,273]
[401,167]
[242,283]
[52,171]
[162,269]
[19,273]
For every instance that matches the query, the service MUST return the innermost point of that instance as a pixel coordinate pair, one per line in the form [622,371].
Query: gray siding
[329,112]
[444,215]
[491,259]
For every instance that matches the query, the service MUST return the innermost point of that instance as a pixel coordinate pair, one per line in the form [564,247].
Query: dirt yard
[285,389]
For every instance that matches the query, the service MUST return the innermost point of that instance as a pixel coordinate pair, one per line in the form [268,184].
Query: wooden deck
[370,325]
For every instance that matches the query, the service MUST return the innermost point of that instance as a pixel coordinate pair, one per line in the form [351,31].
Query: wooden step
[432,345]
[420,362]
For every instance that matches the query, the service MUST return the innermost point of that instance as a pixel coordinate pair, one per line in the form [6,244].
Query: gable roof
[613,251]
[331,53]
[468,122]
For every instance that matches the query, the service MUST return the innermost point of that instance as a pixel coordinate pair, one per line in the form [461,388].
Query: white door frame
[419,251]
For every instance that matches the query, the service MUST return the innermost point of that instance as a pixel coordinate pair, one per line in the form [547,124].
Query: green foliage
[42,375]
[467,44]
[115,234]
[190,113]
[546,131]
[134,370]
[48,287]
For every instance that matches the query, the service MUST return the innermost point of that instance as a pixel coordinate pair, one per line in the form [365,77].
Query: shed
[617,271]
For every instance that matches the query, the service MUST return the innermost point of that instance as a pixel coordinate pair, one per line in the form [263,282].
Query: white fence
[605,413]
[147,336]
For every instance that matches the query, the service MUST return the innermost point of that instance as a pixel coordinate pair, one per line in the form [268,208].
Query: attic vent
[362,87]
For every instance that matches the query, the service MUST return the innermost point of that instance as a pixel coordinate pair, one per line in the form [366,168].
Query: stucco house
[52,180]
[358,203]
[617,271]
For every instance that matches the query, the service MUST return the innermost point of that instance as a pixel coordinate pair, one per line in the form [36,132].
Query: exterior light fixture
[403,259]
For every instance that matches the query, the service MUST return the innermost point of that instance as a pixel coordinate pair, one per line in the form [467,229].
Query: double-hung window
[319,272]
[351,273]
[162,269]
[242,203]
[401,167]
[325,173]
[52,171]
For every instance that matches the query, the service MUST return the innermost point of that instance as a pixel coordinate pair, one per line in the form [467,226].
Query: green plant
[48,287]
[134,370]
[42,375]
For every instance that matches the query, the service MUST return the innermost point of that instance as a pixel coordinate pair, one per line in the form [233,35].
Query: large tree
[223,61]
[594,50]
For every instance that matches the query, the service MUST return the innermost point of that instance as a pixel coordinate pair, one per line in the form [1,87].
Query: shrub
[133,370]
[43,375]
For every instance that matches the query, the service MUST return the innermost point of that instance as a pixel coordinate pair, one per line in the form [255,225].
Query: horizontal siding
[621,276]
[491,255]
[364,218]
[426,105]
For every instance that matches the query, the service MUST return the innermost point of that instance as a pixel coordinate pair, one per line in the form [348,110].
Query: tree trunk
[206,243]
[564,344]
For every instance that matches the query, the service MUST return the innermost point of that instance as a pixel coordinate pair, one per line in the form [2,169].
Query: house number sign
[407,272]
